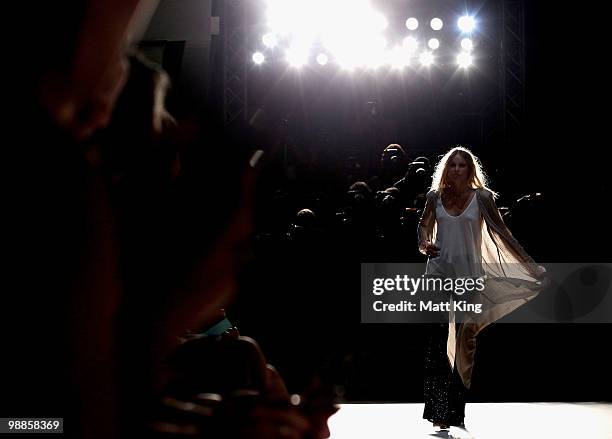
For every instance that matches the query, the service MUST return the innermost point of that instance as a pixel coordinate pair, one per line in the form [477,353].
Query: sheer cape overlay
[512,278]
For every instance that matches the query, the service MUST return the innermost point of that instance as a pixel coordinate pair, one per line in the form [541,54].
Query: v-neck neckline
[466,207]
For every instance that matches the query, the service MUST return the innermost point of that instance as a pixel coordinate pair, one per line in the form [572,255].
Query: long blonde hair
[477,178]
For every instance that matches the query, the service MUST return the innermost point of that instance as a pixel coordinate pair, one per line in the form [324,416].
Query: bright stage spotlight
[379,22]
[412,23]
[464,59]
[347,63]
[426,58]
[270,40]
[297,56]
[436,24]
[352,40]
[374,51]
[301,33]
[346,53]
[349,59]
[258,58]
[399,58]
[466,24]
[411,44]
[467,45]
[280,17]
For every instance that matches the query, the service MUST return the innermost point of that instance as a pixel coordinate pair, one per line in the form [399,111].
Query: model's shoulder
[432,194]
[485,193]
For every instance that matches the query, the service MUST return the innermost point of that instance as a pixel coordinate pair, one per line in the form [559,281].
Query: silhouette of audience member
[391,233]
[99,341]
[59,236]
[422,162]
[137,155]
[353,170]
[359,192]
[414,182]
[245,396]
[359,209]
[153,205]
[140,144]
[356,220]
[220,360]
[79,68]
[303,229]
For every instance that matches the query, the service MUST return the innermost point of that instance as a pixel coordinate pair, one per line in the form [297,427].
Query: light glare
[380,22]
[464,59]
[411,44]
[355,39]
[258,58]
[270,40]
[374,52]
[466,24]
[297,57]
[412,23]
[426,58]
[433,44]
[436,24]
[467,45]
[399,57]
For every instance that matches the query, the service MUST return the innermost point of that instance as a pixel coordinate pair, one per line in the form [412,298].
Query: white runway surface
[483,421]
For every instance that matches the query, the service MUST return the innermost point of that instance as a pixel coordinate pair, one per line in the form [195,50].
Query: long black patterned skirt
[445,394]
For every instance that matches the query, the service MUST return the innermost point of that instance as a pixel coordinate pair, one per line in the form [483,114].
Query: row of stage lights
[353,42]
[399,57]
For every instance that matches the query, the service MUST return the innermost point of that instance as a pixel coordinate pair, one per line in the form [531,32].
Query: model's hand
[431,250]
[542,276]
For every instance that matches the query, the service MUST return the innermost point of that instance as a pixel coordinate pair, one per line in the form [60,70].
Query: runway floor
[483,421]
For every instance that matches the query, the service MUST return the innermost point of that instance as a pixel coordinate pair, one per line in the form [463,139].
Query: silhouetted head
[359,192]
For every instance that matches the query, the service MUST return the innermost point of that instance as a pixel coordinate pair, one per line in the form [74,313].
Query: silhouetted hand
[265,421]
[431,250]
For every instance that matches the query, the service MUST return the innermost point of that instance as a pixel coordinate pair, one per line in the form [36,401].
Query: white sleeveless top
[459,239]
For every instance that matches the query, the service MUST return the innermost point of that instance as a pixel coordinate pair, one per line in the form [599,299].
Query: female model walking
[464,236]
